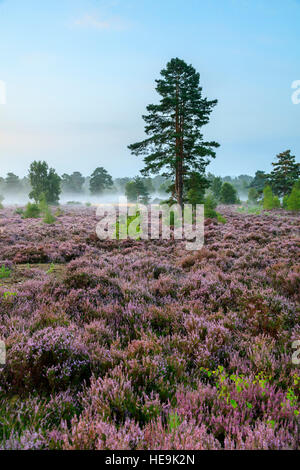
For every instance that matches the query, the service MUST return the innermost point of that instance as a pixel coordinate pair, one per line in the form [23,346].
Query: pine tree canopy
[285,173]
[175,142]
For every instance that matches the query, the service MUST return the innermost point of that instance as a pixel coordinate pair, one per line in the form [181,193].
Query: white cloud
[89,21]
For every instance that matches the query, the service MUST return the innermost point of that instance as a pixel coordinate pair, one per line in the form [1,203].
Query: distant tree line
[44,182]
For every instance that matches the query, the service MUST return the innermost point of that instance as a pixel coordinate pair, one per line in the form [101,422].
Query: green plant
[269,202]
[253,196]
[9,294]
[19,211]
[51,269]
[174,421]
[58,212]
[293,200]
[45,182]
[122,226]
[4,272]
[43,206]
[228,194]
[221,219]
[49,217]
[32,211]
[210,204]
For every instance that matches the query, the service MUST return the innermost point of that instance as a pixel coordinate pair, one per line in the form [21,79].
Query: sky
[78,75]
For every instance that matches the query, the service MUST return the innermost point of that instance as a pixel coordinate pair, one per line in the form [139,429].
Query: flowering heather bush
[144,345]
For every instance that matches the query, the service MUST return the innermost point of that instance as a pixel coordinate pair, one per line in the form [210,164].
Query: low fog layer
[67,198]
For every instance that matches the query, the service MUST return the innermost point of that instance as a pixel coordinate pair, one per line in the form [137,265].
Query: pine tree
[286,171]
[196,186]
[100,180]
[175,143]
[259,182]
[228,194]
[136,190]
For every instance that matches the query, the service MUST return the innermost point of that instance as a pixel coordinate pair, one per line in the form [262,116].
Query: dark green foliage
[228,194]
[285,173]
[174,140]
[216,186]
[32,211]
[148,185]
[259,182]
[136,190]
[195,188]
[100,180]
[12,183]
[45,182]
[120,183]
[253,196]
[73,183]
[293,200]
[210,205]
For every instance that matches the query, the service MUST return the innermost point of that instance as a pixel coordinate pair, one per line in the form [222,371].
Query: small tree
[210,204]
[12,183]
[196,186]
[286,171]
[253,196]
[45,182]
[293,201]
[32,211]
[269,202]
[48,216]
[73,183]
[228,194]
[100,180]
[136,190]
[216,186]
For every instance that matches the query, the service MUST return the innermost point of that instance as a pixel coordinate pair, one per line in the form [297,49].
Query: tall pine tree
[175,143]
[285,173]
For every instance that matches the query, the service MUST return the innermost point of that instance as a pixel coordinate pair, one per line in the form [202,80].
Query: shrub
[269,201]
[52,359]
[228,194]
[32,211]
[293,201]
[253,196]
[210,204]
[4,272]
[19,211]
[49,217]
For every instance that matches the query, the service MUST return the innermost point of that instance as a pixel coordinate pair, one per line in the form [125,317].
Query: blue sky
[79,74]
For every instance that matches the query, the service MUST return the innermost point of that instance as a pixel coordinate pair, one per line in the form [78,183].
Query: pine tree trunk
[179,156]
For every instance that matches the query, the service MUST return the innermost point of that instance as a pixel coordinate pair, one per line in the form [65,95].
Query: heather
[132,344]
